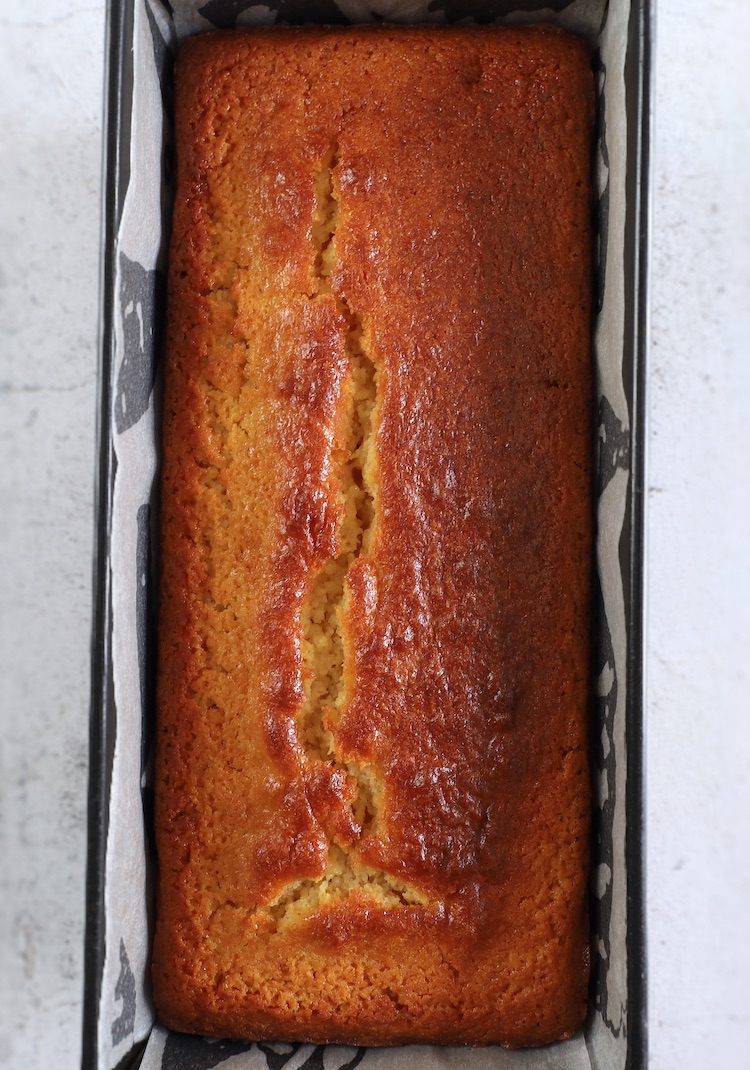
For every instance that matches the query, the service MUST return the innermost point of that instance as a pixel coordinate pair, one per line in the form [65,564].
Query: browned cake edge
[180,999]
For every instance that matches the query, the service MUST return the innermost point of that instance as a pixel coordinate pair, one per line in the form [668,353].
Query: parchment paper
[126,1016]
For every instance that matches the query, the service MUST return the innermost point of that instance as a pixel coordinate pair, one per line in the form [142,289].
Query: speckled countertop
[698,644]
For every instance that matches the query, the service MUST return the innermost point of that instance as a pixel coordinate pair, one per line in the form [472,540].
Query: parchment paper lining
[125,1013]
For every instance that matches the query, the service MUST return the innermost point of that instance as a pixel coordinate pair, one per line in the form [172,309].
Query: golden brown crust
[416,202]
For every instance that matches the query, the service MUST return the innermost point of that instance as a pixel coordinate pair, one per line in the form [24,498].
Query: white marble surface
[698,745]
[698,753]
[50,152]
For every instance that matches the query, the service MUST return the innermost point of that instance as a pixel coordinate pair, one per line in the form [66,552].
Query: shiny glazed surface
[416,200]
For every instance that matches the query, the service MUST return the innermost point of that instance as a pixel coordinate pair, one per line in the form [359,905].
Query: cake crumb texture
[372,807]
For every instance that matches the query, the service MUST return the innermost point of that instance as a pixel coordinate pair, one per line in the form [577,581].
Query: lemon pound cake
[372,780]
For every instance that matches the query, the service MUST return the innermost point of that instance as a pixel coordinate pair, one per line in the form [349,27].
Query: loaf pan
[119,1023]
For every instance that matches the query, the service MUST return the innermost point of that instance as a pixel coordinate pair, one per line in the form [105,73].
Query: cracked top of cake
[372,779]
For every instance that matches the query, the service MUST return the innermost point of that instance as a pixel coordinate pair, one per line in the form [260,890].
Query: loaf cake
[372,780]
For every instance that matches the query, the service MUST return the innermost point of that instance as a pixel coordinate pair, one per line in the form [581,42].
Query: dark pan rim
[118,84]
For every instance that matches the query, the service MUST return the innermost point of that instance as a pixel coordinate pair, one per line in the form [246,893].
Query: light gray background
[698,642]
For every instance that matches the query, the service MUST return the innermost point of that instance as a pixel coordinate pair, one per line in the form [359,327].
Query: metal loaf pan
[119,1029]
